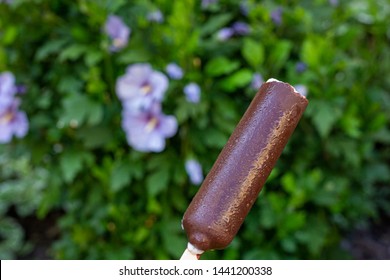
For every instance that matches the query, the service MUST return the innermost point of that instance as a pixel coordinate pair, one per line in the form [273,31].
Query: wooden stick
[187,255]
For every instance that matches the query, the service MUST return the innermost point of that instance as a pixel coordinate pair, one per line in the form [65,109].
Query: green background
[111,202]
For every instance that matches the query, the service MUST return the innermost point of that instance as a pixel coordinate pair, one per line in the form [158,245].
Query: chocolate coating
[228,192]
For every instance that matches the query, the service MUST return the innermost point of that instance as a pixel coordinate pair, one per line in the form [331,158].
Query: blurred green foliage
[118,203]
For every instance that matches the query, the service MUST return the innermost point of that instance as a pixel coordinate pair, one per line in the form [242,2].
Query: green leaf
[137,55]
[324,116]
[220,66]
[157,182]
[253,52]
[181,113]
[293,221]
[325,197]
[238,79]
[70,84]
[51,47]
[9,35]
[112,6]
[12,235]
[262,254]
[314,235]
[289,182]
[3,58]
[173,239]
[93,57]
[79,109]
[215,23]
[316,51]
[95,136]
[72,52]
[310,54]
[120,176]
[268,218]
[226,108]
[289,244]
[95,113]
[280,53]
[51,195]
[377,172]
[71,163]
[224,124]
[215,138]
[158,161]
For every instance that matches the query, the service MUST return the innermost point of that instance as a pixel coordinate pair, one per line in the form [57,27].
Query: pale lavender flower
[192,92]
[8,90]
[155,16]
[300,67]
[302,89]
[334,2]
[257,81]
[147,131]
[118,31]
[244,8]
[194,171]
[240,28]
[276,16]
[225,33]
[140,87]
[21,89]
[174,71]
[206,3]
[12,122]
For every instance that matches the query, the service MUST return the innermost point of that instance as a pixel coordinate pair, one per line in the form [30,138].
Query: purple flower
[302,89]
[147,131]
[225,33]
[207,3]
[155,16]
[192,92]
[240,28]
[300,67]
[174,71]
[21,89]
[194,171]
[140,87]
[118,32]
[276,16]
[12,122]
[257,81]
[334,3]
[244,8]
[7,90]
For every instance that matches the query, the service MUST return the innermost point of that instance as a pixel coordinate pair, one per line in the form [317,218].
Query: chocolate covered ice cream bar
[232,186]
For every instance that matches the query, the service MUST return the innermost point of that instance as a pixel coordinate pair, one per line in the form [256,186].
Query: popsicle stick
[187,255]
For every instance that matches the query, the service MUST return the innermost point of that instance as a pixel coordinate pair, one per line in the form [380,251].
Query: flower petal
[194,171]
[7,84]
[155,142]
[139,71]
[168,126]
[225,33]
[159,84]
[5,133]
[192,92]
[126,88]
[138,105]
[20,124]
[174,71]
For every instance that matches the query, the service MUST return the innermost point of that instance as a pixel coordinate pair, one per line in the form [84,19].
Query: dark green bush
[119,203]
